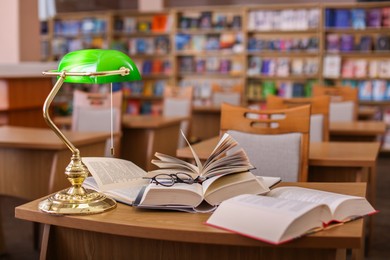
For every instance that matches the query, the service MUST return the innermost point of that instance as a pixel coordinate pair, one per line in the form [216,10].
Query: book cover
[159,23]
[225,65]
[329,17]
[268,88]
[342,18]
[205,20]
[373,69]
[285,89]
[147,67]
[198,42]
[332,66]
[365,43]
[358,16]
[365,90]
[332,42]
[297,66]
[386,16]
[347,42]
[161,45]
[129,25]
[236,22]
[157,66]
[347,69]
[382,43]
[212,42]
[360,68]
[379,90]
[200,66]
[212,64]
[298,89]
[182,41]
[143,26]
[283,67]
[186,64]
[254,66]
[374,17]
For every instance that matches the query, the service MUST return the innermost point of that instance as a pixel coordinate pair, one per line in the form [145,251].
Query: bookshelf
[257,49]
[146,37]
[74,31]
[283,50]
[209,51]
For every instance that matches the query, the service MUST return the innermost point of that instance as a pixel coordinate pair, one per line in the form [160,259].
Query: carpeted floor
[19,234]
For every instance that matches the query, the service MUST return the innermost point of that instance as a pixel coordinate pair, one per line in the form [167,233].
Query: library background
[233,51]
[247,51]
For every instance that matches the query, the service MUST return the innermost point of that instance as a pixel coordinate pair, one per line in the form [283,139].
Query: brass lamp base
[66,203]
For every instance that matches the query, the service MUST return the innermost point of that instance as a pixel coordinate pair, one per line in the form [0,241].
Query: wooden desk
[129,233]
[145,135]
[33,160]
[356,131]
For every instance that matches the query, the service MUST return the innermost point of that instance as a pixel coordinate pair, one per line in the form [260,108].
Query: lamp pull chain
[112,122]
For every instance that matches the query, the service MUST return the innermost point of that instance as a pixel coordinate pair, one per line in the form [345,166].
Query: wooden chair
[343,104]
[319,119]
[178,102]
[92,112]
[277,147]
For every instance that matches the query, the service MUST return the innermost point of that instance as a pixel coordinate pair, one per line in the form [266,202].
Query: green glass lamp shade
[97,60]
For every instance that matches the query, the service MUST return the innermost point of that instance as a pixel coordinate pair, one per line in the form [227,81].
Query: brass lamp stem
[46,115]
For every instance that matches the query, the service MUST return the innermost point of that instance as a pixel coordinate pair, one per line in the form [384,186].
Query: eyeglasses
[169,180]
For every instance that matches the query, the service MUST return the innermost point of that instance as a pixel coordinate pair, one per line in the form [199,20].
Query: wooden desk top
[362,127]
[360,154]
[187,227]
[45,138]
[131,121]
[149,121]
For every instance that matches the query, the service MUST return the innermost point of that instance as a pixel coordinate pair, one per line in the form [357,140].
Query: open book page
[269,181]
[169,164]
[269,219]
[343,207]
[113,173]
[125,195]
[222,187]
[217,163]
[286,213]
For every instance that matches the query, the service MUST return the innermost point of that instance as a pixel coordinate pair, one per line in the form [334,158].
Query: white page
[113,173]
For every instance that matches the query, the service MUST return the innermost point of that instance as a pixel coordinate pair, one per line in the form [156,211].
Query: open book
[200,197]
[286,213]
[120,179]
[222,160]
[225,174]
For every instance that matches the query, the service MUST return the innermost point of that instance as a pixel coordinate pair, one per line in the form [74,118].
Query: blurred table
[143,135]
[362,130]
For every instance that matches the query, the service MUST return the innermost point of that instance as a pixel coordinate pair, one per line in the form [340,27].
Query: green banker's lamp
[93,66]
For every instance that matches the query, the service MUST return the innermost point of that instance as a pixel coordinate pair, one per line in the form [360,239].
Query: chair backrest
[177,101]
[230,95]
[343,103]
[276,146]
[92,112]
[319,119]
